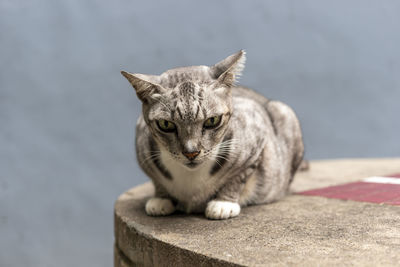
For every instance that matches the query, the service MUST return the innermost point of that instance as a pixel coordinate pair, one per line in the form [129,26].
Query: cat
[211,146]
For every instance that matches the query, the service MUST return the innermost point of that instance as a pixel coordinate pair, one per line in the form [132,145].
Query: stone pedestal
[296,231]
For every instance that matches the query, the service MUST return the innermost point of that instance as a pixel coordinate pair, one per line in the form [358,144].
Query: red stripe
[361,191]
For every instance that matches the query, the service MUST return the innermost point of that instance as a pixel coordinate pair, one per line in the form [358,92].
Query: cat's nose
[191,155]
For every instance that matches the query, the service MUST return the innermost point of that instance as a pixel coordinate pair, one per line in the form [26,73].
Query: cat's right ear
[145,85]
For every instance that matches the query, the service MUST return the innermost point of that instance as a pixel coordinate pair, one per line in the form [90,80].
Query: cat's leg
[157,206]
[161,204]
[226,204]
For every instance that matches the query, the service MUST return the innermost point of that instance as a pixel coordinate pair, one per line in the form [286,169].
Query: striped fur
[249,158]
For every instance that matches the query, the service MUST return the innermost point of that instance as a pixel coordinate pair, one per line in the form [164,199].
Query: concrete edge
[138,248]
[120,260]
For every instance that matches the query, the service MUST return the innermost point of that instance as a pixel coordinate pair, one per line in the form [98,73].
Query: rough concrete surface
[296,231]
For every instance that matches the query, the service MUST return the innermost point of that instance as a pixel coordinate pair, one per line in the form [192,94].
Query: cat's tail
[304,165]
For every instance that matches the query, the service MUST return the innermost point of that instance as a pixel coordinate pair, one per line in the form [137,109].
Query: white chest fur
[189,186]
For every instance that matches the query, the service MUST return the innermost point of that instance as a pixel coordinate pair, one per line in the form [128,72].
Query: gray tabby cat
[210,146]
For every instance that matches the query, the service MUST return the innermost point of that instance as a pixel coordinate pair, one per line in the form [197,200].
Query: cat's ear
[145,85]
[228,70]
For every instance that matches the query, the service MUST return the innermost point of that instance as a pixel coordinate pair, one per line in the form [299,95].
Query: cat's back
[249,94]
[250,122]
[278,118]
[275,110]
[250,109]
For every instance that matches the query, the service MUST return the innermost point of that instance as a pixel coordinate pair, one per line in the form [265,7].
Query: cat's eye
[212,122]
[166,126]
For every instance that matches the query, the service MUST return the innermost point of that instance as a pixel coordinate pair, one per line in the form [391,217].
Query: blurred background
[67,116]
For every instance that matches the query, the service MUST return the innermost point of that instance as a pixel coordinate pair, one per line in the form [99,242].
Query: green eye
[212,122]
[166,126]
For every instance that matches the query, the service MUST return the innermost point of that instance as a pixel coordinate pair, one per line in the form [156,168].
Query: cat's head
[188,109]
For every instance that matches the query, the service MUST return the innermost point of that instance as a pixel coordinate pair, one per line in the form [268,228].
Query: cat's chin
[192,165]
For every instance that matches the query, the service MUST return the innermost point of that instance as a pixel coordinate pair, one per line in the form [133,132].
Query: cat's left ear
[145,85]
[228,70]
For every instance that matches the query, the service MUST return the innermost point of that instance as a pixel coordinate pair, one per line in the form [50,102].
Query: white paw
[156,206]
[222,209]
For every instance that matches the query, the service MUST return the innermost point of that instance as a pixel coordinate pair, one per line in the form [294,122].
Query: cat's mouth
[192,164]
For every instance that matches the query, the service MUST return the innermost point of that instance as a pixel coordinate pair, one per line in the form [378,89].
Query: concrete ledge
[299,230]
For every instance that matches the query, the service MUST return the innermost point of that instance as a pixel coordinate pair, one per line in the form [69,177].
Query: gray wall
[67,116]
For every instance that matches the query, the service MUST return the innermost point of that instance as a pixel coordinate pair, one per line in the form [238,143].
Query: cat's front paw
[156,206]
[219,210]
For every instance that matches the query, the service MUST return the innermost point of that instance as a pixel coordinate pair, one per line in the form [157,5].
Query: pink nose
[191,155]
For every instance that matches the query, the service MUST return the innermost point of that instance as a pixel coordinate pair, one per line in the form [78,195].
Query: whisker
[217,161]
[151,156]
[224,158]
